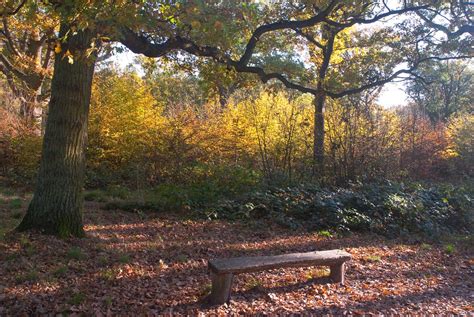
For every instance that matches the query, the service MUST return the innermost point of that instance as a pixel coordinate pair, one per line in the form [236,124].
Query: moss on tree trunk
[57,203]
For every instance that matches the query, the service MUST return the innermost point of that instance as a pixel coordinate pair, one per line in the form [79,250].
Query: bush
[117,191]
[20,158]
[211,184]
[385,208]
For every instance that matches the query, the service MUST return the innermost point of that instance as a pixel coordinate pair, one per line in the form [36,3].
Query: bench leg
[221,286]
[337,273]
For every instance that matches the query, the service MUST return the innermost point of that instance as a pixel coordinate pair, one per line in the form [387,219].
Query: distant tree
[461,130]
[446,88]
[163,78]
[26,50]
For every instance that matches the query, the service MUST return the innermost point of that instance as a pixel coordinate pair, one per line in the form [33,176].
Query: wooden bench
[223,270]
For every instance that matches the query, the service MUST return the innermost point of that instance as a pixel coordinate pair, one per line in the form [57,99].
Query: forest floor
[157,264]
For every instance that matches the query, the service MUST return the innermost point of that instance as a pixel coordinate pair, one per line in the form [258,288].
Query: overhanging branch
[395,75]
[378,17]
[143,45]
[450,34]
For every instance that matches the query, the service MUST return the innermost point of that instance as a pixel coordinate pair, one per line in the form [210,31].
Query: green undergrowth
[167,197]
[386,208]
[12,209]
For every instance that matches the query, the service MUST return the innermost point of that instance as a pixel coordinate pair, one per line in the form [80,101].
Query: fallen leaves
[129,265]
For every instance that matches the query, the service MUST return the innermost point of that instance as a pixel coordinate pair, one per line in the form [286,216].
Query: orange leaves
[170,278]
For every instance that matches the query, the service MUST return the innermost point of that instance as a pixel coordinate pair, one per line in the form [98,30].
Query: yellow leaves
[450,153]
[123,121]
[459,131]
[268,123]
[57,48]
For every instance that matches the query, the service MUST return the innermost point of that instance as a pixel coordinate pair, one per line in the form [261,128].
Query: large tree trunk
[318,147]
[57,204]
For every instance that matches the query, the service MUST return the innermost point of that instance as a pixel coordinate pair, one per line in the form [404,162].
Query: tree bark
[319,135]
[57,203]
[329,36]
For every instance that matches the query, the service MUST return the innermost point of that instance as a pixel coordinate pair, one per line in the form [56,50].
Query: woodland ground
[156,264]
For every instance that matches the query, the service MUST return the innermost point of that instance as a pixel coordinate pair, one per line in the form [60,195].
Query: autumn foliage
[264,136]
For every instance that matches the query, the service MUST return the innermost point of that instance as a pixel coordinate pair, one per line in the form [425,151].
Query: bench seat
[223,270]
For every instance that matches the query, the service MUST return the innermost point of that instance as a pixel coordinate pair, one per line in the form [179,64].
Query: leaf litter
[129,264]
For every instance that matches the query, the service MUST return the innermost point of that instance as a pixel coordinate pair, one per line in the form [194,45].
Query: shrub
[108,274]
[325,233]
[385,208]
[124,259]
[26,153]
[116,191]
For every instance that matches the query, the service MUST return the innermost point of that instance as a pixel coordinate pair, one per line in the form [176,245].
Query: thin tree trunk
[28,106]
[328,35]
[57,204]
[319,135]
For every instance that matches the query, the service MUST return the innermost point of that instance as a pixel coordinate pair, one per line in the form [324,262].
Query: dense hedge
[385,208]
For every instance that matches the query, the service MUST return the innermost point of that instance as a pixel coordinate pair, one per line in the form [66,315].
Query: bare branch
[9,77]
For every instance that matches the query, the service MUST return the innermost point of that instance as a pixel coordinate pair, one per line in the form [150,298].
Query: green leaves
[387,209]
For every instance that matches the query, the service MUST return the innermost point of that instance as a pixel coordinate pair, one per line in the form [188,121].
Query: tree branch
[143,45]
[7,65]
[451,35]
[392,77]
[8,37]
[280,25]
[356,20]
[309,38]
[10,81]
[14,11]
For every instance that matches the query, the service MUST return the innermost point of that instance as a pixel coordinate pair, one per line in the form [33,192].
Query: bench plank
[260,263]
